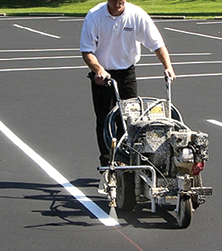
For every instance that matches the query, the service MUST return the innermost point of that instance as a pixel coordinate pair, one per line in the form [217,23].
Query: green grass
[188,8]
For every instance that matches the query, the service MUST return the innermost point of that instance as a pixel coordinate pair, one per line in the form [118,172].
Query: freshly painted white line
[41,50]
[216,122]
[36,31]
[39,58]
[193,33]
[59,178]
[183,76]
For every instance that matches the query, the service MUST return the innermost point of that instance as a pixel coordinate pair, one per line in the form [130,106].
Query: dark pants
[104,100]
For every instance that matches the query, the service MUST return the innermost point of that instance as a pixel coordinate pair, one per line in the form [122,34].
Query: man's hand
[101,76]
[169,73]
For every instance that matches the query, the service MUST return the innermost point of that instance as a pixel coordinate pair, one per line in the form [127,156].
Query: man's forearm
[163,56]
[91,60]
[93,63]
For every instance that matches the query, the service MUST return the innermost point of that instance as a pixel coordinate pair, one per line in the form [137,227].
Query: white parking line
[182,63]
[39,58]
[40,50]
[193,33]
[215,122]
[184,76]
[85,67]
[43,68]
[180,54]
[77,49]
[36,31]
[144,64]
[54,174]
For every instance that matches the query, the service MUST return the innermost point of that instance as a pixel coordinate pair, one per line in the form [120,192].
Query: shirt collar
[109,15]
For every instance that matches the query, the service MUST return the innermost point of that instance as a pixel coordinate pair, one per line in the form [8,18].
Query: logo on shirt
[127,28]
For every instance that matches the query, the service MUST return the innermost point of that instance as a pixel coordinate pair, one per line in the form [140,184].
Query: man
[110,43]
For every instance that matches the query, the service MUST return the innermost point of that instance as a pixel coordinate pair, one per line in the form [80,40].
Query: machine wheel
[197,182]
[125,192]
[184,214]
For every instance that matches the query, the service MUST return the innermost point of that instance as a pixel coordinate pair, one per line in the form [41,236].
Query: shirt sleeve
[148,34]
[89,37]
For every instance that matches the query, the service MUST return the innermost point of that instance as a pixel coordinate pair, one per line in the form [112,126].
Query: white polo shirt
[115,41]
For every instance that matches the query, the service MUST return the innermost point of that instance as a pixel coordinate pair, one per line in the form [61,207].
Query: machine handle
[108,82]
[168,88]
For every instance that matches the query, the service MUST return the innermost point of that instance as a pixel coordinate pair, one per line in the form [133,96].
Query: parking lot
[49,155]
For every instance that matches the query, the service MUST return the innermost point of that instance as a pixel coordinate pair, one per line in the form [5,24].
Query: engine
[169,148]
[190,151]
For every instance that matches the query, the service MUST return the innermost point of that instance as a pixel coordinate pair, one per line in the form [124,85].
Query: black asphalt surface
[47,103]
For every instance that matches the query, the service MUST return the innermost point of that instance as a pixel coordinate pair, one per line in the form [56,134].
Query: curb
[46,15]
[167,17]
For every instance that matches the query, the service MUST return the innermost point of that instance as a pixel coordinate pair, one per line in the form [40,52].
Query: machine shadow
[62,206]
[69,210]
[141,217]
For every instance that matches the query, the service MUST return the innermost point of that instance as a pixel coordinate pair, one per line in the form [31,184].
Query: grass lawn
[188,8]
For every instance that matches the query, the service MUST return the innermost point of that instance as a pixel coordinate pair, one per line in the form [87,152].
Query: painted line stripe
[77,49]
[215,122]
[86,67]
[70,57]
[44,68]
[183,63]
[193,33]
[180,54]
[41,50]
[39,58]
[183,76]
[36,31]
[54,174]
[146,64]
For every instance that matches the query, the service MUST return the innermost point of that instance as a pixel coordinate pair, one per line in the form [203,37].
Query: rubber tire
[125,196]
[184,214]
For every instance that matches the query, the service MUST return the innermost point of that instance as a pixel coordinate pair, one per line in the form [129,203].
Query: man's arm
[163,56]
[93,63]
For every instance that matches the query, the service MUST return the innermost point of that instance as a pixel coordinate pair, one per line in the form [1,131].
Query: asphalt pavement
[49,155]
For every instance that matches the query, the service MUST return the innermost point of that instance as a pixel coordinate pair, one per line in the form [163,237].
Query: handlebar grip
[168,79]
[108,82]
